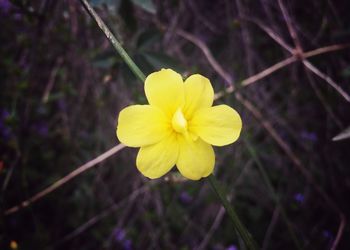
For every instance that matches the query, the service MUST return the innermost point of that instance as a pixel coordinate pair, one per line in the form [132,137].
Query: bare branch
[66,179]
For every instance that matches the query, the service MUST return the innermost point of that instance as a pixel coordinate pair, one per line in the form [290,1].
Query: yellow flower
[178,126]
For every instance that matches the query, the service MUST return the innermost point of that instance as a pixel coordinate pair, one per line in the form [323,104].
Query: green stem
[243,232]
[273,193]
[116,44]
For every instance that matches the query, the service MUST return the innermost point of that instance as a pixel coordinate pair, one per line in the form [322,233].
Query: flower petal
[219,125]
[156,160]
[165,90]
[198,94]
[140,125]
[196,158]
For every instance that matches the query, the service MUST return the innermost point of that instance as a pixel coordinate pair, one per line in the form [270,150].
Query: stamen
[179,122]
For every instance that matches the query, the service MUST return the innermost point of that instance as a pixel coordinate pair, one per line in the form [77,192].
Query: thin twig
[292,32]
[207,53]
[66,178]
[322,99]
[268,31]
[269,71]
[275,216]
[325,77]
[326,49]
[266,72]
[301,55]
[51,81]
[292,59]
[214,226]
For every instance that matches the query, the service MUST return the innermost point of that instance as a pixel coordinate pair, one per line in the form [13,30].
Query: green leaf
[111,4]
[126,11]
[147,5]
[104,63]
[105,59]
[343,135]
[346,72]
[148,38]
[160,60]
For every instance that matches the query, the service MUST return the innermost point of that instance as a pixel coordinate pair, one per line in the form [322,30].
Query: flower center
[179,122]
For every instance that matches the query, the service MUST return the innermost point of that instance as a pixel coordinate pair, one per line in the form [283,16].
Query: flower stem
[116,44]
[243,232]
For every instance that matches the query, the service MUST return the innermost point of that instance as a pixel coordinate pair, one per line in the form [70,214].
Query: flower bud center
[179,122]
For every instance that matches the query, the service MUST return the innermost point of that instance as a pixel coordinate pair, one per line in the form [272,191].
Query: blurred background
[63,85]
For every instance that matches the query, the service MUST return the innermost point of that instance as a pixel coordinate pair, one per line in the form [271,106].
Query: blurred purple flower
[310,136]
[327,234]
[185,197]
[299,198]
[4,113]
[5,6]
[84,135]
[5,130]
[232,247]
[127,244]
[41,129]
[62,105]
[17,16]
[119,234]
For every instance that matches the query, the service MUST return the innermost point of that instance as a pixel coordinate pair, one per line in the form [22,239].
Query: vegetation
[67,184]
